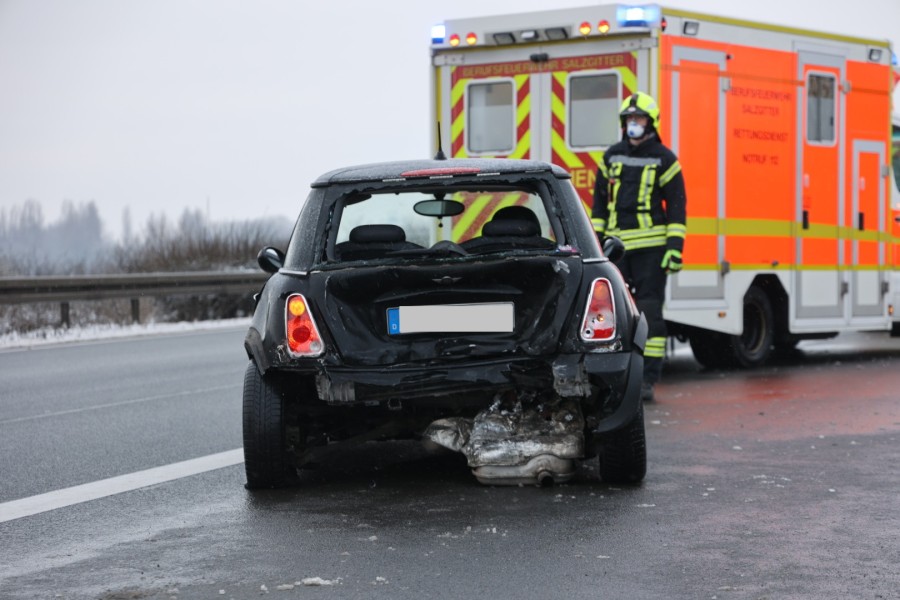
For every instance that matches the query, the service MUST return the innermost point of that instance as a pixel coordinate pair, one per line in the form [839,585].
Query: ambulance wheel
[268,460]
[623,453]
[711,348]
[754,346]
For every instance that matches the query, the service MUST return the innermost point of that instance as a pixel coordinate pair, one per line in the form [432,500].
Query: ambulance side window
[491,117]
[821,106]
[593,110]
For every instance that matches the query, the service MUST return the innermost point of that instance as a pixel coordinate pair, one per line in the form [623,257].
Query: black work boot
[647,392]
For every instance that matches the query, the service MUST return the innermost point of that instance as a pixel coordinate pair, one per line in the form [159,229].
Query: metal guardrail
[21,290]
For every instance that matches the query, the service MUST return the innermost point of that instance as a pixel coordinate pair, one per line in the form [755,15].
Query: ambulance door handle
[805,219]
[860,219]
[539,57]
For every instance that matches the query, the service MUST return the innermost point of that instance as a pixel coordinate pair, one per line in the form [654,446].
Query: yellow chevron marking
[476,207]
[458,90]
[523,145]
[629,79]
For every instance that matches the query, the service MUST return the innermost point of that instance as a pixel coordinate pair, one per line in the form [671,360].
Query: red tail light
[600,313]
[302,334]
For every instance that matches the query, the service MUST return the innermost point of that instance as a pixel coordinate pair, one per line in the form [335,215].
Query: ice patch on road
[318,581]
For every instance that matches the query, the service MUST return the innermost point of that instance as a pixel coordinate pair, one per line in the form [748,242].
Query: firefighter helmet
[640,103]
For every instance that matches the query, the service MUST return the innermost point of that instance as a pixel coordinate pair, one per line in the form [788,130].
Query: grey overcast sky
[234,106]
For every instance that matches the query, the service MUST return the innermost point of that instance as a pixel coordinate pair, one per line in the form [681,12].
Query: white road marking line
[73,411]
[25,507]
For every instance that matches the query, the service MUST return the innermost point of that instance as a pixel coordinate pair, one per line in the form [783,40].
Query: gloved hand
[671,261]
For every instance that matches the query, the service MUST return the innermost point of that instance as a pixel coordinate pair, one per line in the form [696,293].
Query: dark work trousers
[648,285]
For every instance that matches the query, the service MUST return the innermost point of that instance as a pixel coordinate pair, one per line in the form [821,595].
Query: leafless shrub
[75,245]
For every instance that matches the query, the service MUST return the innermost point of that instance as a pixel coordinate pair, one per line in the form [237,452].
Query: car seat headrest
[367,234]
[510,227]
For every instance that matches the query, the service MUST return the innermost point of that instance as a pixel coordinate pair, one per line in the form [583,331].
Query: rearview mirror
[270,259]
[439,208]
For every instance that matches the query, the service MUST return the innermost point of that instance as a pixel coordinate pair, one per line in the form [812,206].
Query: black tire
[754,346]
[623,453]
[750,349]
[268,460]
[711,348]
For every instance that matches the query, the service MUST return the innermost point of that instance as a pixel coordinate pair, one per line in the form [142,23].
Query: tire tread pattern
[266,460]
[623,454]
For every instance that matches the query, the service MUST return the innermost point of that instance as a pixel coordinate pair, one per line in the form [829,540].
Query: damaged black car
[466,303]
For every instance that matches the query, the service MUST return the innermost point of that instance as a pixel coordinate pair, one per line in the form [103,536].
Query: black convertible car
[463,302]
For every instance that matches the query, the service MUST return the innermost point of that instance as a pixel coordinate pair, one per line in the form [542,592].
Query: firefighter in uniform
[639,197]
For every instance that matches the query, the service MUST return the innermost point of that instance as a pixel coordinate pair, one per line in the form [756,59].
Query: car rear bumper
[476,383]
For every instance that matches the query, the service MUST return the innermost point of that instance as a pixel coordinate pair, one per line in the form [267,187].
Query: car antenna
[440,153]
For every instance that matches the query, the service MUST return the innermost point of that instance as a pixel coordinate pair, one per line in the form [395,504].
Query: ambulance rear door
[557,103]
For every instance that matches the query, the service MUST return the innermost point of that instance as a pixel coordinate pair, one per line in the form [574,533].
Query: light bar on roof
[647,15]
[438,33]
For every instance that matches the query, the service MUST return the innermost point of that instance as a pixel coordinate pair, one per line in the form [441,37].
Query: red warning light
[585,28]
[471,39]
[454,40]
[603,26]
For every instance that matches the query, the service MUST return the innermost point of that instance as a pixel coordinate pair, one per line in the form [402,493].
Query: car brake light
[302,334]
[441,172]
[599,314]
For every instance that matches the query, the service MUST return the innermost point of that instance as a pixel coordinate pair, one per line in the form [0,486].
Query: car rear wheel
[268,460]
[623,453]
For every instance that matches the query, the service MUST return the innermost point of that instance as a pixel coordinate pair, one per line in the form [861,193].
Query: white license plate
[494,317]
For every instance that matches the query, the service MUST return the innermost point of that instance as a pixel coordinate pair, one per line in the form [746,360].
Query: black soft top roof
[441,169]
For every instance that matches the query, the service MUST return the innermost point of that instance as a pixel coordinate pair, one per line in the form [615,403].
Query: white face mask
[634,130]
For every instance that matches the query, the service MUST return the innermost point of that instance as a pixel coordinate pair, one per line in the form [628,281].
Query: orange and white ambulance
[784,137]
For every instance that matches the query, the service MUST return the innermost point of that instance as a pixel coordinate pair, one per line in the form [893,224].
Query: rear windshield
[467,222]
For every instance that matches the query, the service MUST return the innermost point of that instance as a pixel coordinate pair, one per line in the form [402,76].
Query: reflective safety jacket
[639,196]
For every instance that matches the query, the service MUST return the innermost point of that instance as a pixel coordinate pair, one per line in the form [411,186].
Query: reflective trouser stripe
[645,192]
[656,347]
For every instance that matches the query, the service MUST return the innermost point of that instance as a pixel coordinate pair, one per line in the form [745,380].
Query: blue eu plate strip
[393,319]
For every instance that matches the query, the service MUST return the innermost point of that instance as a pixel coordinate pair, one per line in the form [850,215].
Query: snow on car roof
[414,169]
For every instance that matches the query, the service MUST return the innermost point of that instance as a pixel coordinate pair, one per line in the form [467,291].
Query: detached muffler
[508,444]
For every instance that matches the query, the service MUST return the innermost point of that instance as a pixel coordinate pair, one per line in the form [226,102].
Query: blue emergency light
[647,15]
[438,33]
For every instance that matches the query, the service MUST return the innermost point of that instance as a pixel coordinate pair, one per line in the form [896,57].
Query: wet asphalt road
[776,483]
